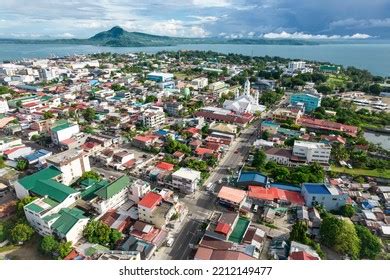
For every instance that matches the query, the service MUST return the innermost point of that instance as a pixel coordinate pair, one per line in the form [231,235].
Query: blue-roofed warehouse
[251,178]
[329,197]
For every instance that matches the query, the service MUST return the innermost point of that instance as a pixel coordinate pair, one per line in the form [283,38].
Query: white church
[245,103]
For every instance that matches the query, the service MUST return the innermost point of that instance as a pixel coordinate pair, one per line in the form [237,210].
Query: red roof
[203,151]
[144,138]
[11,150]
[327,125]
[150,200]
[272,194]
[165,166]
[301,255]
[222,228]
[193,130]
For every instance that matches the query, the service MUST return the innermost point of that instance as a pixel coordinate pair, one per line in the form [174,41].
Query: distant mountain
[118,37]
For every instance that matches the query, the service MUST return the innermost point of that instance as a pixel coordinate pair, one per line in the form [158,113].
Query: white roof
[187,173]
[311,145]
[385,229]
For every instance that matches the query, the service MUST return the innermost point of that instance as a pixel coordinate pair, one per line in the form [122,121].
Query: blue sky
[320,19]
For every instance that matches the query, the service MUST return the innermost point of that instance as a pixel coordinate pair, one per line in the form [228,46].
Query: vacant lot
[362,172]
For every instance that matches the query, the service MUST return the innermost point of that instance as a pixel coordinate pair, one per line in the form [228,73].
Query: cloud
[304,36]
[211,3]
[361,23]
[65,35]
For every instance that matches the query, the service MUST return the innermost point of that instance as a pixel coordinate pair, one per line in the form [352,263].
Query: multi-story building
[186,180]
[51,212]
[200,83]
[328,196]
[153,118]
[154,210]
[312,152]
[173,108]
[164,80]
[138,190]
[72,163]
[3,106]
[310,101]
[112,195]
[63,131]
[296,65]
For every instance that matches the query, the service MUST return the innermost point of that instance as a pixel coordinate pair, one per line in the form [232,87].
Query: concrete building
[72,163]
[312,152]
[186,180]
[329,197]
[63,131]
[173,108]
[138,189]
[154,210]
[153,117]
[310,101]
[199,83]
[3,106]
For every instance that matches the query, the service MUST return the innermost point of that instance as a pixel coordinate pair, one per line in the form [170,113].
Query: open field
[362,172]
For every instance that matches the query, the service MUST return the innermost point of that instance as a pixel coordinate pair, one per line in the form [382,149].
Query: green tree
[22,164]
[48,115]
[20,205]
[371,245]
[299,232]
[2,164]
[340,235]
[49,245]
[21,233]
[375,89]
[64,249]
[339,152]
[115,235]
[259,159]
[150,99]
[347,210]
[90,175]
[265,135]
[89,114]
[98,232]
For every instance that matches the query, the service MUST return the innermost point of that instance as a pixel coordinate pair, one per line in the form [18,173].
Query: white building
[153,117]
[3,106]
[112,195]
[245,103]
[72,163]
[138,190]
[9,142]
[47,74]
[63,132]
[329,197]
[294,66]
[312,152]
[186,180]
[199,83]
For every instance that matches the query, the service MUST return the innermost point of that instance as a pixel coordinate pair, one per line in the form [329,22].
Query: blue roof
[162,132]
[252,177]
[316,188]
[36,155]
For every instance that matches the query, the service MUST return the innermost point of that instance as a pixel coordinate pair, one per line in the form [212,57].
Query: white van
[255,208]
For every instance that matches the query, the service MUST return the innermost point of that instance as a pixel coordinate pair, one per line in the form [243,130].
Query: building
[199,83]
[312,152]
[154,210]
[72,163]
[153,117]
[3,106]
[331,198]
[63,132]
[138,189]
[282,114]
[310,101]
[226,116]
[333,69]
[250,178]
[7,142]
[245,103]
[186,180]
[231,197]
[325,125]
[294,66]
[173,108]
[164,80]
[112,195]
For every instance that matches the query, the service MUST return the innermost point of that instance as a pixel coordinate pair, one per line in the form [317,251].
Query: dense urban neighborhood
[193,155]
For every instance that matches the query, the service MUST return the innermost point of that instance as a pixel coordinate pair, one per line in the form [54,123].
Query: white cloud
[304,36]
[65,35]
[211,3]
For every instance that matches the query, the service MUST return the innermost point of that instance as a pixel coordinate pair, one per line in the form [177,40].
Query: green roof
[88,182]
[51,217]
[67,219]
[239,230]
[90,192]
[61,127]
[34,207]
[115,187]
[29,182]
[42,184]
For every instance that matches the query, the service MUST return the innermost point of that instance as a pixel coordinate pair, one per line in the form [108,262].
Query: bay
[374,57]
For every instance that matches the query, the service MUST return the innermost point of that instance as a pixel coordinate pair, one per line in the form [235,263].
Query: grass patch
[362,172]
[8,248]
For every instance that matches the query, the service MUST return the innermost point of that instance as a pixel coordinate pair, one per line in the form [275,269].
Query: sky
[296,19]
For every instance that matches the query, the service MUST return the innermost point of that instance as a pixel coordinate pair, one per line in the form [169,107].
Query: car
[255,208]
[170,242]
[236,151]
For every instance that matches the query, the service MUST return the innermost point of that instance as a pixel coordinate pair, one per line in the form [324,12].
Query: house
[7,142]
[300,251]
[186,180]
[225,116]
[249,178]
[331,198]
[72,163]
[214,254]
[154,210]
[260,195]
[231,197]
[112,195]
[63,131]
[144,142]
[17,152]
[312,152]
[327,126]
[279,155]
[38,156]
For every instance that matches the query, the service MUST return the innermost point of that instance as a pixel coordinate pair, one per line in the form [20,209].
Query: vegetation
[382,173]
[21,233]
[340,235]
[90,175]
[270,98]
[48,115]
[299,234]
[89,114]
[371,245]
[347,210]
[22,164]
[100,233]
[20,206]
[171,146]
